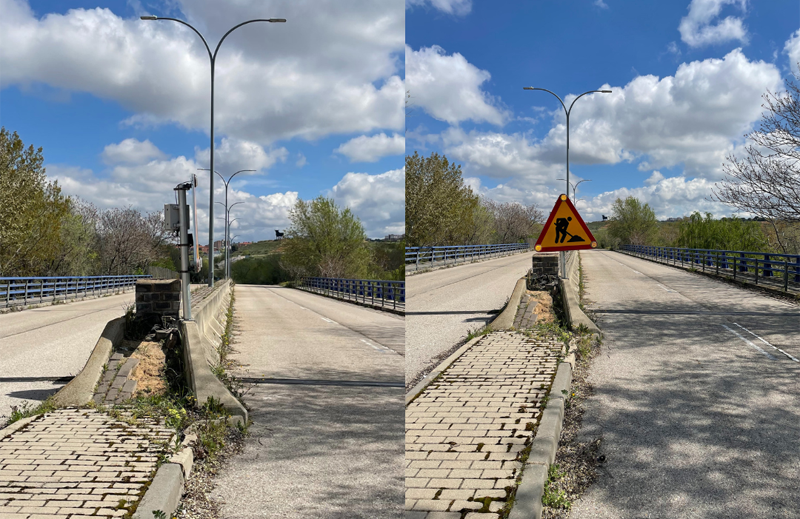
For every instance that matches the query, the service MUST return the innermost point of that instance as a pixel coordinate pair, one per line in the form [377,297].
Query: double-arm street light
[227,215]
[213,58]
[562,259]
[575,188]
[567,111]
[228,223]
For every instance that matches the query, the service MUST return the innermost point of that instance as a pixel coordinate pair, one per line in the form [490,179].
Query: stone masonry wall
[544,264]
[158,297]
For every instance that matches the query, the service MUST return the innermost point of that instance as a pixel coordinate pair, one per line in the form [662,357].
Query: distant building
[394,237]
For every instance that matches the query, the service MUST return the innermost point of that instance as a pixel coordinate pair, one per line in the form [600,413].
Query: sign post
[565,230]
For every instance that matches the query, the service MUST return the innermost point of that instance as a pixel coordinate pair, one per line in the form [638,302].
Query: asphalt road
[697,406]
[443,306]
[327,405]
[40,345]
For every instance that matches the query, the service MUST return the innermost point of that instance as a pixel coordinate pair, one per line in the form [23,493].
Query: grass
[26,410]
[479,332]
[553,497]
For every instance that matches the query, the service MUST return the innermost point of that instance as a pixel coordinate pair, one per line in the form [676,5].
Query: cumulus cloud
[331,69]
[371,149]
[378,200]
[601,4]
[448,87]
[131,151]
[697,27]
[694,118]
[455,7]
[792,49]
[233,155]
[655,178]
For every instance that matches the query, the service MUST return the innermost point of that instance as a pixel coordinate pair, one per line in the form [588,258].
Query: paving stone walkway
[466,432]
[77,463]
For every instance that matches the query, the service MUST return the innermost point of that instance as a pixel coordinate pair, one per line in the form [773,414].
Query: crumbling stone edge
[165,492]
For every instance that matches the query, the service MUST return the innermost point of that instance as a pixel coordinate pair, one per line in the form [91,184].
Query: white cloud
[696,27]
[233,155]
[792,49]
[331,69]
[455,7]
[655,178]
[601,4]
[301,160]
[448,87]
[131,151]
[371,149]
[378,200]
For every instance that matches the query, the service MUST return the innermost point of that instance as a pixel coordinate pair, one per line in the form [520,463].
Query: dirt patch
[149,373]
[544,306]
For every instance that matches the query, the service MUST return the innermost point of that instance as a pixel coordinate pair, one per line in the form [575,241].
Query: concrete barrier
[570,295]
[200,339]
[80,389]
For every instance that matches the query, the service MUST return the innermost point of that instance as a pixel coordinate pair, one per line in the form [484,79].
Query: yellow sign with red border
[564,230]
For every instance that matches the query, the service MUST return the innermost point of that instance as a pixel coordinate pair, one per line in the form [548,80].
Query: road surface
[327,405]
[443,306]
[696,396]
[42,345]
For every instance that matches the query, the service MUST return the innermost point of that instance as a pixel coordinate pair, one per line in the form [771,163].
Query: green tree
[696,232]
[31,210]
[632,223]
[325,241]
[440,208]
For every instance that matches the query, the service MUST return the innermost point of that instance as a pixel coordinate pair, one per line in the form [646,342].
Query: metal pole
[183,218]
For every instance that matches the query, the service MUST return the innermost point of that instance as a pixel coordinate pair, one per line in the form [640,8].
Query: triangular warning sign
[564,230]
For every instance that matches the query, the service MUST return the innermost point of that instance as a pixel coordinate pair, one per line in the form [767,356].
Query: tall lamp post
[575,189]
[228,222]
[562,258]
[213,58]
[227,183]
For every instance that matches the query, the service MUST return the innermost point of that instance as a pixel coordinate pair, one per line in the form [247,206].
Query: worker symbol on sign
[561,231]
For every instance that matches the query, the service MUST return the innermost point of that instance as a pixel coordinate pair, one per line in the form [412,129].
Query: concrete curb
[164,492]
[166,489]
[440,267]
[80,389]
[528,501]
[505,319]
[571,298]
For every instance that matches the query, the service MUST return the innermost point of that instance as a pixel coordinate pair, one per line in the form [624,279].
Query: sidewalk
[76,463]
[466,433]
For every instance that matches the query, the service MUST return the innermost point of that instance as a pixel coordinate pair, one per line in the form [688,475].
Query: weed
[479,332]
[27,410]
[553,497]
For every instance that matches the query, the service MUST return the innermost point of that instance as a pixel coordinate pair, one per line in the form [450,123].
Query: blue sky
[687,79]
[121,106]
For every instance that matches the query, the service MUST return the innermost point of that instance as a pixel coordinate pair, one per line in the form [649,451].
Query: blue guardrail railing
[374,292]
[764,267]
[451,254]
[33,290]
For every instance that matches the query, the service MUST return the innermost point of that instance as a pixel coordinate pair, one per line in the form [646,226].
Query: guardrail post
[767,265]
[785,276]
[755,260]
[742,268]
[797,269]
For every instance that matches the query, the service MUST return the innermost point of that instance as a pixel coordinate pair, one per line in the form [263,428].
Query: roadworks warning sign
[564,230]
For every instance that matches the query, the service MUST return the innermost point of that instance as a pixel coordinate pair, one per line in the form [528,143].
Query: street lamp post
[227,183]
[562,258]
[213,58]
[575,189]
[228,222]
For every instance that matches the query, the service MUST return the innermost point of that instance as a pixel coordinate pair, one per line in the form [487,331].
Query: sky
[121,106]
[686,79]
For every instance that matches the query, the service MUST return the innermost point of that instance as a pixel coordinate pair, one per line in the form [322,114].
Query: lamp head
[528,88]
[277,20]
[150,17]
[606,91]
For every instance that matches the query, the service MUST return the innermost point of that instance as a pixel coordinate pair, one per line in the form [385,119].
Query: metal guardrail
[32,290]
[374,292]
[781,270]
[421,257]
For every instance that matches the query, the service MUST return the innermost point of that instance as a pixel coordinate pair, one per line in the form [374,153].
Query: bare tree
[512,220]
[766,182]
[128,240]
